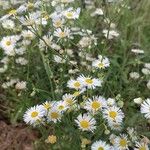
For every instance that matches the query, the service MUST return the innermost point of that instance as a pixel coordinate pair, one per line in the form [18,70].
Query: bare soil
[17,137]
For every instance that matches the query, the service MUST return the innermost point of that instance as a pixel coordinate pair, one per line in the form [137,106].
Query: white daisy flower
[48,105]
[112,138]
[113,114]
[27,34]
[61,106]
[69,99]
[8,44]
[8,24]
[54,115]
[115,125]
[21,9]
[86,122]
[72,14]
[62,33]
[74,84]
[89,82]
[85,42]
[121,143]
[34,115]
[141,146]
[101,63]
[145,108]
[58,22]
[95,104]
[100,145]
[47,40]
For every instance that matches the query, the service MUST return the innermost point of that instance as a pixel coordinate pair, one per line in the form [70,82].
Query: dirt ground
[17,137]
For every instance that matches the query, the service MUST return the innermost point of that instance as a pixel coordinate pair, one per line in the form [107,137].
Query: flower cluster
[92,75]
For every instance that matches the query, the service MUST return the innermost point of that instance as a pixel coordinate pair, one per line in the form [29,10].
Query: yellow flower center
[69,14]
[8,43]
[77,84]
[61,107]
[89,81]
[142,148]
[96,105]
[101,65]
[84,124]
[12,12]
[34,114]
[30,5]
[54,115]
[113,114]
[100,148]
[58,23]
[62,34]
[29,36]
[123,142]
[47,106]
[69,101]
[46,17]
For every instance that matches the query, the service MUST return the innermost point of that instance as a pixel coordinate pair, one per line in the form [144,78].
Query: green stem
[48,72]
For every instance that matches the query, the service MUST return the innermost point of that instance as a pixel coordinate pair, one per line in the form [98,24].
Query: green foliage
[46,79]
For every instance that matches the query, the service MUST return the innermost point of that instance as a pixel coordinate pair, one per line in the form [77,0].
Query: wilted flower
[52,139]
